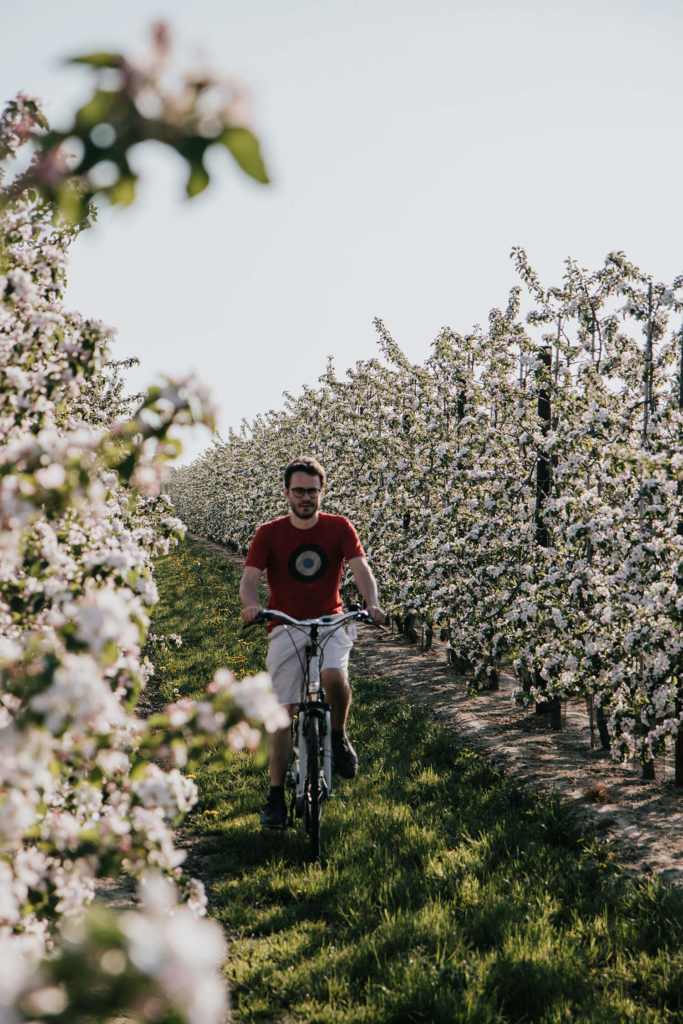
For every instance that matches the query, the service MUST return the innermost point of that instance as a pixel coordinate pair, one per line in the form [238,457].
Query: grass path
[448,893]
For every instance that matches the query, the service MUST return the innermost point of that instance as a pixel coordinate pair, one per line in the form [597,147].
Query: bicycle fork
[306,711]
[313,706]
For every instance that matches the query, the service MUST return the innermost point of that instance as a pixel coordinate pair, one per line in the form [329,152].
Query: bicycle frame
[311,703]
[311,726]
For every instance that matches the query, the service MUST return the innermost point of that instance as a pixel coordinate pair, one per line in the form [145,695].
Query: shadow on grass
[444,884]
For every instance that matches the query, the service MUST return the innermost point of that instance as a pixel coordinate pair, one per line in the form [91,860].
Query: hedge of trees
[519,491]
[88,790]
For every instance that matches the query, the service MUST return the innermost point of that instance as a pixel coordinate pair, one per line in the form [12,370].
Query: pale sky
[411,144]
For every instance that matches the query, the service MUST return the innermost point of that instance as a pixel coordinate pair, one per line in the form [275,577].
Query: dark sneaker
[274,814]
[344,759]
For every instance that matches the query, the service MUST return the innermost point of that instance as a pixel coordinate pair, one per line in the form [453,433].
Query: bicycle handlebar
[268,615]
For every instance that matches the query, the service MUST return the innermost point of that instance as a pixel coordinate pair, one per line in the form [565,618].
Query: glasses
[308,492]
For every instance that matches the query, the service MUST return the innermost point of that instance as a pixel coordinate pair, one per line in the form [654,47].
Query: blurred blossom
[80,696]
[171,792]
[17,816]
[182,952]
[104,616]
[243,737]
[256,697]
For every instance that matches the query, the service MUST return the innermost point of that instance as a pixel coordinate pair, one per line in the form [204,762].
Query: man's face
[303,502]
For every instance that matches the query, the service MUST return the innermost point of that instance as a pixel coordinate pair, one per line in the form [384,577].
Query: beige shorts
[287,655]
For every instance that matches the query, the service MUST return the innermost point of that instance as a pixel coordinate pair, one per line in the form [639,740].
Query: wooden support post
[678,750]
[553,706]
[543,472]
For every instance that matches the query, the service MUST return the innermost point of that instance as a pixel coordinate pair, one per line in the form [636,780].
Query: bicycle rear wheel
[314,796]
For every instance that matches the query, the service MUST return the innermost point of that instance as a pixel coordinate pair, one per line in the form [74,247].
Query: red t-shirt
[304,567]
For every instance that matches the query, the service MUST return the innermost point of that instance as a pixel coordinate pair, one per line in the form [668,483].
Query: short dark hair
[304,464]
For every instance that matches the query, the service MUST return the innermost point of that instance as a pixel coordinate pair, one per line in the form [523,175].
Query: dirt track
[641,821]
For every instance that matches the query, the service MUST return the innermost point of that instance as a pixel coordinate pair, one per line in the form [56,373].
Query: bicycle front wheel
[314,795]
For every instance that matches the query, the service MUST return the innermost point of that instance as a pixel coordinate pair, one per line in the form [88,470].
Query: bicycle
[309,775]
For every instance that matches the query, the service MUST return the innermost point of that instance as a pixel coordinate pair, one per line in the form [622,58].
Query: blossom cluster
[155,97]
[519,491]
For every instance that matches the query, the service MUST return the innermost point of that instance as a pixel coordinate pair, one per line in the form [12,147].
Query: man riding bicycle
[303,555]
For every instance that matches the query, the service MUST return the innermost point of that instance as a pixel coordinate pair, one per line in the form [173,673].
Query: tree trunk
[409,628]
[493,676]
[555,714]
[462,666]
[603,731]
[543,706]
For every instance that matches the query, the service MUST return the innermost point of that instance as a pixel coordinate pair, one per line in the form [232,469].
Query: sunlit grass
[200,601]
[447,893]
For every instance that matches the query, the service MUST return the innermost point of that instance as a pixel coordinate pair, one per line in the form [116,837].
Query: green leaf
[246,150]
[198,180]
[173,447]
[138,769]
[69,203]
[123,192]
[39,116]
[98,60]
[97,108]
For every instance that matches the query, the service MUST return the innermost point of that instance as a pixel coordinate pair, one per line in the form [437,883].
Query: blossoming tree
[83,792]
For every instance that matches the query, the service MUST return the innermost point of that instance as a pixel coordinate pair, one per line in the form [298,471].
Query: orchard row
[87,789]
[520,491]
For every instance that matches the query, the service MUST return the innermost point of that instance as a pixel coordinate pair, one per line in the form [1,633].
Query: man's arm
[367,588]
[249,592]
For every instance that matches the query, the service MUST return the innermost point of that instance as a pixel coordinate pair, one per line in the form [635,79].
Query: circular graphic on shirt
[308,563]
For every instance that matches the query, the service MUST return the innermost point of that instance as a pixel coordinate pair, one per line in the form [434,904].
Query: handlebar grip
[258,620]
[363,615]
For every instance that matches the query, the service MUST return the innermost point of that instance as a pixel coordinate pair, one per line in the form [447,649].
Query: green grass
[199,600]
[447,894]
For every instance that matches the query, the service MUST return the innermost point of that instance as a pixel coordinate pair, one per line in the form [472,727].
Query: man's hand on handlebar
[250,613]
[376,614]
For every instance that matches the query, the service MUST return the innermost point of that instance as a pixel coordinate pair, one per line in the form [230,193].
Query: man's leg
[338,693]
[280,750]
[274,814]
[283,665]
